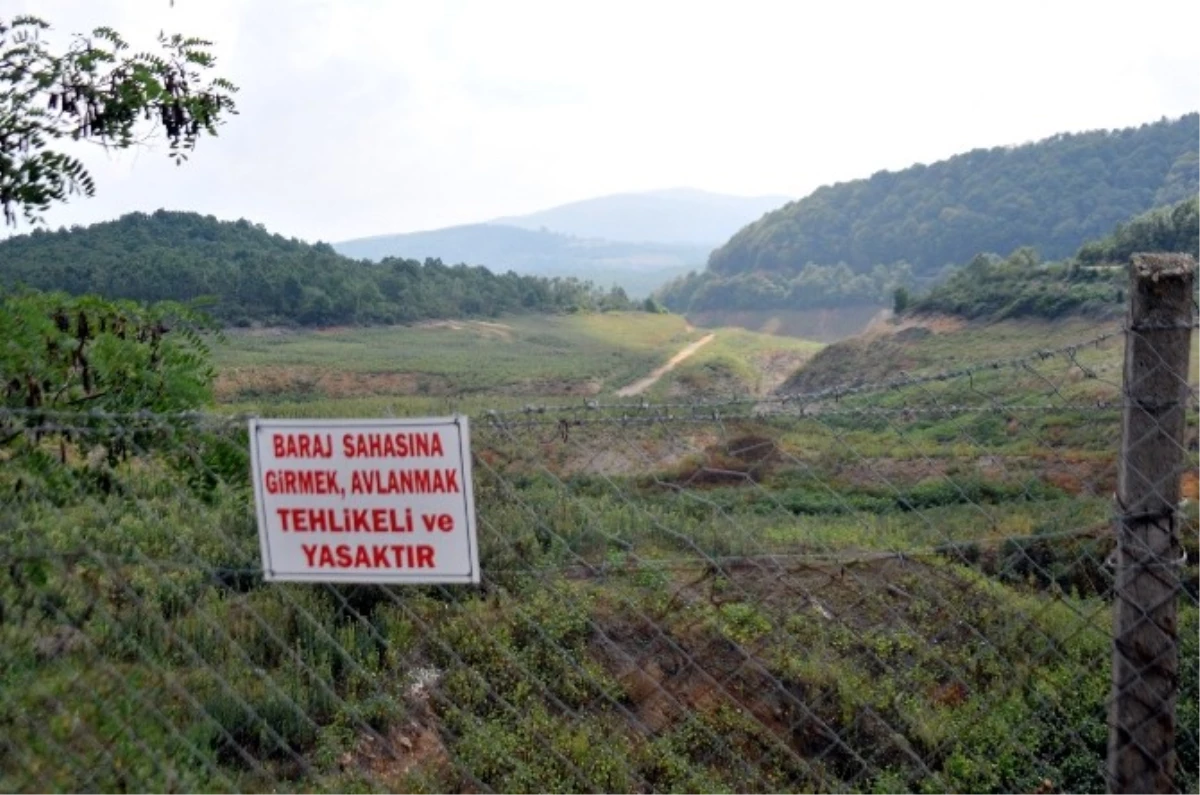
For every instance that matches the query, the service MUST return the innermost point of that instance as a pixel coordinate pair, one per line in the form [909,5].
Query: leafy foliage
[1022,286]
[65,353]
[257,277]
[1092,283]
[97,360]
[1173,228]
[94,91]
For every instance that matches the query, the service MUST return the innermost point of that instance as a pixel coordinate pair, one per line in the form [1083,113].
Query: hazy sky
[361,117]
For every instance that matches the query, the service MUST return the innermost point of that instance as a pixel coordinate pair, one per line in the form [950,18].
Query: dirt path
[640,386]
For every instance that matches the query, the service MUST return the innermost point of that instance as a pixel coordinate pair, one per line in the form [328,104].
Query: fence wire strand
[898,585]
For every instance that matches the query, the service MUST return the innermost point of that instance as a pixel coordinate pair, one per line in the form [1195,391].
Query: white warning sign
[366,501]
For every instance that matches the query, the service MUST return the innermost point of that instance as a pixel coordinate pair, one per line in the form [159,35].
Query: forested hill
[1051,195]
[1023,286]
[255,276]
[1175,228]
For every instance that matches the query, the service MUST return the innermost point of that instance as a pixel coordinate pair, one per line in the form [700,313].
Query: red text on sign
[369,556]
[345,520]
[302,445]
[287,481]
[414,444]
[443,522]
[404,481]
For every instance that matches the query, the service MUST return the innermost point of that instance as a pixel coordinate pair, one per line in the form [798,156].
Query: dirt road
[641,385]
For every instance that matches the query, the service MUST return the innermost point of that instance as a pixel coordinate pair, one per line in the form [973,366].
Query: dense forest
[857,242]
[252,276]
[1088,283]
[1052,195]
[810,287]
[1021,285]
[1173,228]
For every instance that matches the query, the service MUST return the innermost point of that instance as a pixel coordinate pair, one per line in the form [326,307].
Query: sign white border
[461,426]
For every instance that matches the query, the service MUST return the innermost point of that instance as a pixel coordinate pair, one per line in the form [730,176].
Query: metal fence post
[1141,742]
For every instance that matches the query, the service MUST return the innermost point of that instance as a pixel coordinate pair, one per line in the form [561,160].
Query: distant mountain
[680,215]
[638,267]
[253,276]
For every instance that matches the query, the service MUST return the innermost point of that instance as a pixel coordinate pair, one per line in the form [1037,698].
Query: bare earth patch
[412,750]
[884,324]
[776,366]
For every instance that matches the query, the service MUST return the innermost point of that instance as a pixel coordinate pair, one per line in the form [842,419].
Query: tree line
[1053,195]
[987,285]
[1090,283]
[1022,285]
[811,287]
[249,276]
[829,247]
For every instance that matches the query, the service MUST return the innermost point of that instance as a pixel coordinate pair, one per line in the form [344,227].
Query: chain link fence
[900,585]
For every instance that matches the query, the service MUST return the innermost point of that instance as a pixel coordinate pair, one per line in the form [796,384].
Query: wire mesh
[890,585]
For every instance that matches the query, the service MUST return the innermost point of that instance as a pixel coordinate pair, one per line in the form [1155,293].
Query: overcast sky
[363,117]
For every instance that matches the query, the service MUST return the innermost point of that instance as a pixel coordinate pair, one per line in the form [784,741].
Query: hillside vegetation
[1173,228]
[891,597]
[854,243]
[1020,285]
[257,277]
[1052,195]
[812,287]
[1091,283]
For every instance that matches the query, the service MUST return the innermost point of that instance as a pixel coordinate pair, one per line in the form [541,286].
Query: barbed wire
[887,586]
[813,402]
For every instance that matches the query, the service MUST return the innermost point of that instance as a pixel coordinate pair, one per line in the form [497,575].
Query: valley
[832,512]
[465,365]
[776,539]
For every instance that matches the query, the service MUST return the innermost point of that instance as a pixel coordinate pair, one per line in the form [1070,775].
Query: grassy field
[551,356]
[895,590]
[471,365]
